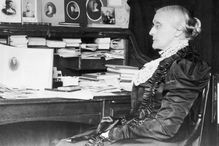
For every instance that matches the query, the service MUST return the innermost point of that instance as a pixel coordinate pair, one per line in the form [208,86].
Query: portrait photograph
[93,9]
[10,11]
[53,11]
[72,10]
[50,9]
[29,11]
[108,15]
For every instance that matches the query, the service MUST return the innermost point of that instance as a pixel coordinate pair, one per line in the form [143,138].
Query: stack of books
[103,43]
[72,42]
[99,76]
[37,41]
[18,40]
[126,74]
[68,52]
[55,44]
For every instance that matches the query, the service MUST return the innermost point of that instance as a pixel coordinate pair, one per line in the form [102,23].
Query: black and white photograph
[73,10]
[93,9]
[109,73]
[10,11]
[53,12]
[108,15]
[50,9]
[29,11]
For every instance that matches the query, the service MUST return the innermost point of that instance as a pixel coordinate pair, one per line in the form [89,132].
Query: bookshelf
[86,34]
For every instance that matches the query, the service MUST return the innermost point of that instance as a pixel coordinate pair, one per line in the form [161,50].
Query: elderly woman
[165,89]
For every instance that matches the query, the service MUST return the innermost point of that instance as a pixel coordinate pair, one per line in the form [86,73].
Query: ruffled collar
[149,69]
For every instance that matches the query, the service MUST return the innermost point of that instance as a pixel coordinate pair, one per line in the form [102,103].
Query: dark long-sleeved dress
[166,102]
[163,103]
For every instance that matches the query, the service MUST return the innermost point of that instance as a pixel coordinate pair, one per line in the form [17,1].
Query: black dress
[161,104]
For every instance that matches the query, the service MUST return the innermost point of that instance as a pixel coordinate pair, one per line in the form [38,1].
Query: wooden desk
[42,122]
[59,109]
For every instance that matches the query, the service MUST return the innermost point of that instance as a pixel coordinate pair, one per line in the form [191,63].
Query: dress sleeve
[183,85]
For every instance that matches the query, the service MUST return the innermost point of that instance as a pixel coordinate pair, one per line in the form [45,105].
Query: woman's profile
[165,91]
[50,9]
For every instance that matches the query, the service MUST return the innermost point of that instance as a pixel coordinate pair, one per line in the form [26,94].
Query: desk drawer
[119,108]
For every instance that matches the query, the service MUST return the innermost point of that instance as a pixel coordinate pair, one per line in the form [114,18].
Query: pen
[58,90]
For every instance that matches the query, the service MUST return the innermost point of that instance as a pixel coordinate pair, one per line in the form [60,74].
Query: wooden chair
[193,139]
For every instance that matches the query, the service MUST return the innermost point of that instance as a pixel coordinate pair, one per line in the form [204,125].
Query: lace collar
[149,69]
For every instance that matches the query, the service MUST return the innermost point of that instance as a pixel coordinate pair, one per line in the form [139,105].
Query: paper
[69,81]
[114,3]
[26,67]
[34,94]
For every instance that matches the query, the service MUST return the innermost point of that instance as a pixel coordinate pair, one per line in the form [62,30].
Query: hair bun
[197,25]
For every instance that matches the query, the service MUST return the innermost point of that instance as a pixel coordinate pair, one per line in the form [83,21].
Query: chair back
[199,124]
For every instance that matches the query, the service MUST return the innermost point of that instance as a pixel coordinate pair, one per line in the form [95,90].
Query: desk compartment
[119,108]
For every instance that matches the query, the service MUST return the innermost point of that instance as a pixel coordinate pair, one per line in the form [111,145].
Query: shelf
[46,30]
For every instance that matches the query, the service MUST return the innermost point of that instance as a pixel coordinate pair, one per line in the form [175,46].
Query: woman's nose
[151,32]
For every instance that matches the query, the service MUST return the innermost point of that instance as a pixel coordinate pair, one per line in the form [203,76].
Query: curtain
[141,16]
[207,43]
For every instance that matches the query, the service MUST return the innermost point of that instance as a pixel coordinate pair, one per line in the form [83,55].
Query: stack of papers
[18,40]
[68,52]
[55,44]
[70,42]
[36,41]
[32,94]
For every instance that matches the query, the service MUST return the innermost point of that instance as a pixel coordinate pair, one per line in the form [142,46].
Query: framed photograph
[93,11]
[10,11]
[75,12]
[53,11]
[108,15]
[29,11]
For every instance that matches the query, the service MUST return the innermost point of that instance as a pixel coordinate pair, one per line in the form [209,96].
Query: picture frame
[10,11]
[108,15]
[75,12]
[52,11]
[29,10]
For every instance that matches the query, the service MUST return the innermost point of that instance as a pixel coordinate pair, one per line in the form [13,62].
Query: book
[53,11]
[121,66]
[36,41]
[55,44]
[99,76]
[10,11]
